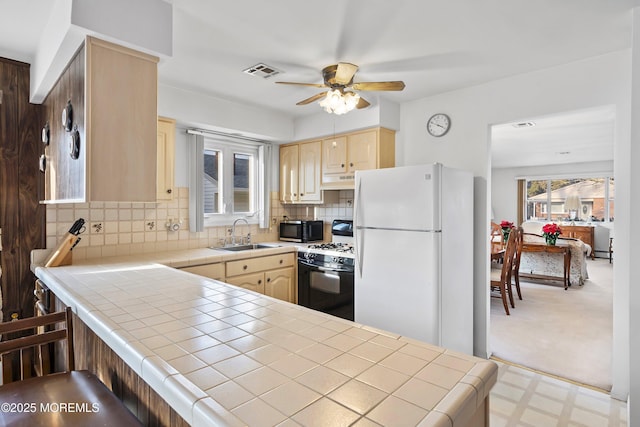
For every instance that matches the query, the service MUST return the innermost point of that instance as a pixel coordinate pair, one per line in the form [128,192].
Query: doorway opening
[563,333]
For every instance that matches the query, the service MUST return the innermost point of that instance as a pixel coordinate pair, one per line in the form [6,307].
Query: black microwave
[302,231]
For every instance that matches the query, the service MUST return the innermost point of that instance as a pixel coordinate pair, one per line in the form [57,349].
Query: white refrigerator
[414,253]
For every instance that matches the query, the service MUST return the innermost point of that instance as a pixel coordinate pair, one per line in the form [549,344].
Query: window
[575,199]
[228,180]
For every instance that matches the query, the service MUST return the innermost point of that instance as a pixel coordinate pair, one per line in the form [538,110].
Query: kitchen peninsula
[210,353]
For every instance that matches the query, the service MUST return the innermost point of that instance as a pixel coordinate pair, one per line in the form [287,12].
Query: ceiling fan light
[338,103]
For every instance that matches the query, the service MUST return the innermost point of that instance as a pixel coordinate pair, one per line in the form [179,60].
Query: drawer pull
[281,261]
[244,267]
[268,279]
[260,282]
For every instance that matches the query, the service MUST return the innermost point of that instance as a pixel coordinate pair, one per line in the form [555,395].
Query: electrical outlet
[274,220]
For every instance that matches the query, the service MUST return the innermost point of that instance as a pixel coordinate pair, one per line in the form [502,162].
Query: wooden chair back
[503,284]
[24,346]
[509,257]
[71,386]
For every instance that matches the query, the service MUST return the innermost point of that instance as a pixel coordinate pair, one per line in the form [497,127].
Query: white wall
[195,110]
[630,154]
[582,84]
[208,112]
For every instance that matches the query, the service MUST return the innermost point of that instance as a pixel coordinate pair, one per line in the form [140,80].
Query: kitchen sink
[239,248]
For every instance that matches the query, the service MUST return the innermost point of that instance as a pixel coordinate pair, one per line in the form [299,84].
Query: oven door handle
[41,308]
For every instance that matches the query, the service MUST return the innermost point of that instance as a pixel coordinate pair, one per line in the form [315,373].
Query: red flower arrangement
[506,224]
[551,233]
[506,229]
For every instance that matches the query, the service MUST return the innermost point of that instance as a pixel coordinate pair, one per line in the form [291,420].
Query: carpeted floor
[564,333]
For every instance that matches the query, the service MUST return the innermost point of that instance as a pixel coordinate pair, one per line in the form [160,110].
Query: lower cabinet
[272,275]
[280,284]
[212,271]
[253,282]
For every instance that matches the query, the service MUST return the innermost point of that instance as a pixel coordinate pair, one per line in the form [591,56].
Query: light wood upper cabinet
[300,172]
[289,156]
[113,93]
[343,155]
[166,158]
[362,153]
[334,155]
[309,173]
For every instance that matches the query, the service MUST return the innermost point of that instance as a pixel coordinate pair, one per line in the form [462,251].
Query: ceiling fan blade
[302,84]
[382,86]
[362,103]
[312,98]
[345,72]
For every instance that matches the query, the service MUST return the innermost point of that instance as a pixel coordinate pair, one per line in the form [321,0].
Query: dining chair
[59,399]
[496,237]
[516,261]
[501,277]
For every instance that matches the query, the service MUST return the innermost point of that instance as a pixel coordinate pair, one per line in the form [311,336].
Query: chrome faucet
[233,231]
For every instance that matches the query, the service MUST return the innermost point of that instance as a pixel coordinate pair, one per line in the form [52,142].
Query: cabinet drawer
[253,265]
[212,271]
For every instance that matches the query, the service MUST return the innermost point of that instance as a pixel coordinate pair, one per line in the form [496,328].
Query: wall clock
[438,124]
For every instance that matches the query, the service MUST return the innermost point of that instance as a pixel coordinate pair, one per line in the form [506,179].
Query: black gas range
[325,273]
[338,256]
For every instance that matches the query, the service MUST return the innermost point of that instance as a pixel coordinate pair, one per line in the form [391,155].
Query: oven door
[326,290]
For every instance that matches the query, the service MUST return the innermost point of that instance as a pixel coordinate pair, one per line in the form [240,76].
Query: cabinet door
[361,151]
[121,123]
[166,158]
[334,155]
[253,282]
[279,284]
[289,157]
[309,171]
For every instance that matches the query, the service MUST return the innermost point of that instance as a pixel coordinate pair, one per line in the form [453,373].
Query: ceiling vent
[524,125]
[262,70]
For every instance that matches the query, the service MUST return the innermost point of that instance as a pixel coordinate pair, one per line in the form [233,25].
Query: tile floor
[523,398]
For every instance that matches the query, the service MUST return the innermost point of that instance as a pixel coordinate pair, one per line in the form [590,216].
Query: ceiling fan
[339,79]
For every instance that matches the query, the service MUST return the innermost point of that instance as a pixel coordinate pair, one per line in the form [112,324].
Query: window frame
[228,149]
[607,198]
[262,152]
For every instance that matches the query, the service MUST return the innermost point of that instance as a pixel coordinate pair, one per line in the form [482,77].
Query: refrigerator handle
[359,239]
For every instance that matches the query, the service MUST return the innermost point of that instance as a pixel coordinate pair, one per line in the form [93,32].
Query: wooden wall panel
[92,354]
[22,218]
[65,176]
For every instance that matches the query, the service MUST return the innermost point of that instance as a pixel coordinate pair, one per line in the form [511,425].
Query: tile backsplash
[118,228]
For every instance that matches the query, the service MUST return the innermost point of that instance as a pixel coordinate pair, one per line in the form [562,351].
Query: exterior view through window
[229,179]
[580,199]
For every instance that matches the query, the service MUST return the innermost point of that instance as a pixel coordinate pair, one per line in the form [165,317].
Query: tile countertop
[223,355]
